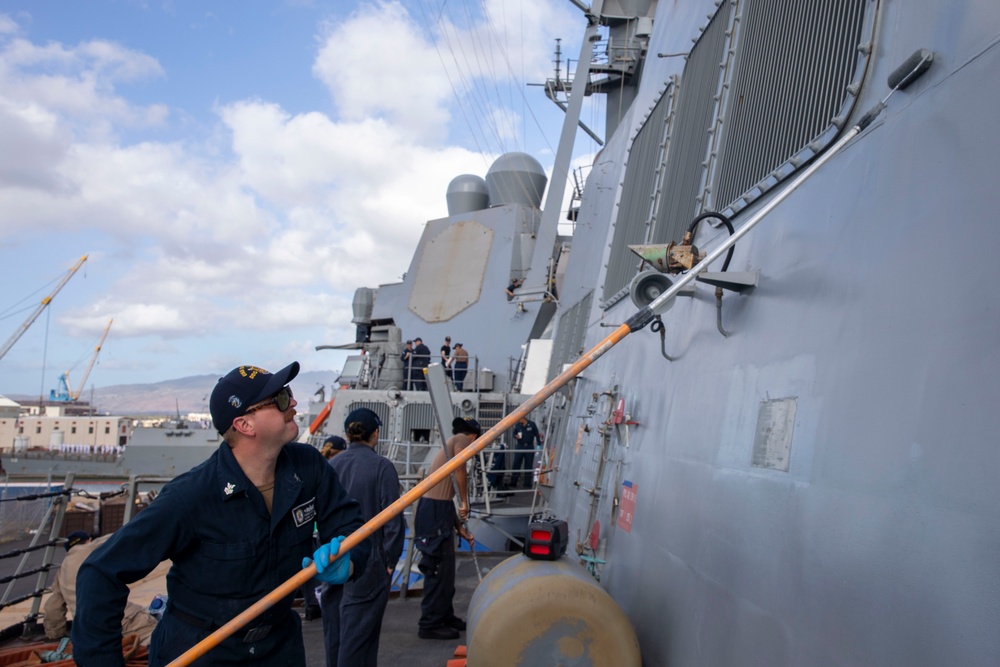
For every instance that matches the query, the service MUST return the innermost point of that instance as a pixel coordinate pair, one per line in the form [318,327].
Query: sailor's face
[279,424]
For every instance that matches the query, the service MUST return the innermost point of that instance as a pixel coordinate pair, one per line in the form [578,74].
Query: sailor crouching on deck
[235,527]
[79,546]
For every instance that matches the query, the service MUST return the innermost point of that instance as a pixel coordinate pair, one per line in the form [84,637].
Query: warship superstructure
[794,464]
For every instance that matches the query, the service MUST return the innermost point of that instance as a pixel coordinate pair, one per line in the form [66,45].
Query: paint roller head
[911,70]
[900,78]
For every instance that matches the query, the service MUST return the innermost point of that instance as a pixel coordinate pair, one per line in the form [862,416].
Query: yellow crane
[66,392]
[97,350]
[38,311]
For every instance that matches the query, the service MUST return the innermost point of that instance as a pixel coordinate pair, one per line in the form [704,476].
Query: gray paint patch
[772,443]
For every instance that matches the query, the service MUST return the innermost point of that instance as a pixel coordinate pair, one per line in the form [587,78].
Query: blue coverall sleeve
[339,514]
[102,582]
[394,531]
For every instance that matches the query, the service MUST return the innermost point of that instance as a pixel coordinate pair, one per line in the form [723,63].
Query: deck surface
[400,644]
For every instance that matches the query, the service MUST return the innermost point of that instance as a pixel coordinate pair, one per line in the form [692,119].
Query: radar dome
[516,178]
[467,193]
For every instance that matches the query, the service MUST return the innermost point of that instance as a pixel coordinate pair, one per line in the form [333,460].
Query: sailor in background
[460,366]
[235,528]
[409,367]
[352,613]
[63,597]
[446,356]
[333,446]
[514,284]
[526,438]
[435,523]
[421,360]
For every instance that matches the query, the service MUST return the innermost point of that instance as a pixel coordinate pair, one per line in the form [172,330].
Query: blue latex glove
[336,572]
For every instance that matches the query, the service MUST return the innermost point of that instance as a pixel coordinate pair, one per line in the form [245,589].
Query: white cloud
[356,193]
[379,64]
[79,82]
[32,143]
[410,69]
[275,230]
[7,25]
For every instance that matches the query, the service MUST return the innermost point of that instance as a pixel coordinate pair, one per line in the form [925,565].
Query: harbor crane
[38,311]
[65,391]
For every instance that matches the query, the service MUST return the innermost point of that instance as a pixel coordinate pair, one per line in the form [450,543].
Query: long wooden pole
[407,499]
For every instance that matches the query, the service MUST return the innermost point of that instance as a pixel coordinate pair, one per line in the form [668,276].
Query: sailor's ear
[243,425]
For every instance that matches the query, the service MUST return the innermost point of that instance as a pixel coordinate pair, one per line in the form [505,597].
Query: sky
[234,171]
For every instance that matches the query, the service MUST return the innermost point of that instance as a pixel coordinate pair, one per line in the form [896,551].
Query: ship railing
[409,458]
[515,373]
[499,470]
[412,460]
[43,504]
[614,56]
[371,372]
[532,295]
[471,382]
[44,539]
[368,374]
[491,490]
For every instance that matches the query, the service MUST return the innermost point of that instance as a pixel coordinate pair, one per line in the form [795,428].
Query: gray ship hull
[819,487]
[151,452]
[800,467]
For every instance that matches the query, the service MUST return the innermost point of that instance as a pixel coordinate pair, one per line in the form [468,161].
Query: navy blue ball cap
[243,387]
[366,418]
[75,538]
[469,426]
[336,442]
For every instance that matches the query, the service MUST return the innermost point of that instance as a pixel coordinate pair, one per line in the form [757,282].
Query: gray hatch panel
[450,271]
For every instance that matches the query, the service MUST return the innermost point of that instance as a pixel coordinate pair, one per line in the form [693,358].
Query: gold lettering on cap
[250,372]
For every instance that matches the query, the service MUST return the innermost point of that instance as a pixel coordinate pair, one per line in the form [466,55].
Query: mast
[548,229]
[567,139]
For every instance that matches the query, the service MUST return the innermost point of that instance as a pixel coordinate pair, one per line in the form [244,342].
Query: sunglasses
[282,400]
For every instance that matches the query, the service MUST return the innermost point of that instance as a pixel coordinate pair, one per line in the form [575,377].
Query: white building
[60,428]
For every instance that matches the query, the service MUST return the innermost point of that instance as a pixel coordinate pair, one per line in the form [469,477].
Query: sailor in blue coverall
[526,439]
[352,613]
[235,527]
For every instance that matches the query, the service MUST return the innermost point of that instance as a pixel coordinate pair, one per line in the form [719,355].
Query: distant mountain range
[185,395]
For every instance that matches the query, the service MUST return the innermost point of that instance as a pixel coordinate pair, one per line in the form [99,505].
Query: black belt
[249,636]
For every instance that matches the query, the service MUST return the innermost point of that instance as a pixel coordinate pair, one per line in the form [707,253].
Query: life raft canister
[528,613]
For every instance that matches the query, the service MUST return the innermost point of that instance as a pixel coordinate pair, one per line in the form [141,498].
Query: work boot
[456,623]
[438,632]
